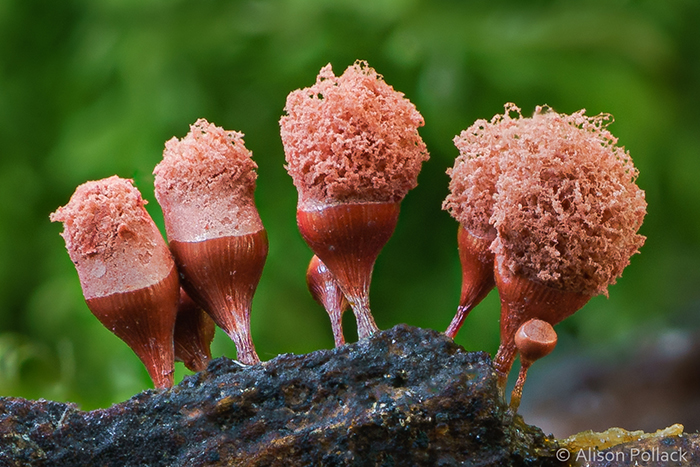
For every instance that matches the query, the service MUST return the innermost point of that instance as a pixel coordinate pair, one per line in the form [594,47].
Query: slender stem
[517,394]
[502,364]
[337,326]
[160,364]
[245,350]
[365,322]
[457,321]
[198,361]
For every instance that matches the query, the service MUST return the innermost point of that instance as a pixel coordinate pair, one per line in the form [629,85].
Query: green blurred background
[90,88]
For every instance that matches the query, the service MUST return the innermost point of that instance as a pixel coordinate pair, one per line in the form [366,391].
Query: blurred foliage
[90,89]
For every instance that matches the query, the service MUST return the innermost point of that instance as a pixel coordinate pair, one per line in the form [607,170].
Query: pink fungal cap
[351,138]
[567,208]
[112,240]
[205,185]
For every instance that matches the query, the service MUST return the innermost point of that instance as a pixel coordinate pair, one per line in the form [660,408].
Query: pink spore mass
[112,240]
[559,192]
[351,138]
[205,185]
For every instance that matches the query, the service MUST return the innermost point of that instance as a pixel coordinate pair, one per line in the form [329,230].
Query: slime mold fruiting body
[127,274]
[353,151]
[205,185]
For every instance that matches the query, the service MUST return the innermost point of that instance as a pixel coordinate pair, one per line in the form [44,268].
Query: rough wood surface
[405,397]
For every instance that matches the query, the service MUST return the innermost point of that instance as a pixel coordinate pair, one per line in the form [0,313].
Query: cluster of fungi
[547,206]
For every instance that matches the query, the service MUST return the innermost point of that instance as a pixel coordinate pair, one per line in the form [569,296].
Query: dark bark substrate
[405,397]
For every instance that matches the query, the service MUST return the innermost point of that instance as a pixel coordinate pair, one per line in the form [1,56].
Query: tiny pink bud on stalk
[353,151]
[535,339]
[205,185]
[127,274]
[324,289]
[194,331]
[566,213]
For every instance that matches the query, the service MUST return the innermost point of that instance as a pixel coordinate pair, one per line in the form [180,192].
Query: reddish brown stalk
[535,339]
[524,299]
[221,275]
[348,238]
[194,331]
[477,275]
[324,289]
[144,320]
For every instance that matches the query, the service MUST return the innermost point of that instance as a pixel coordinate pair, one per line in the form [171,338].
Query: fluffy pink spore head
[476,171]
[112,240]
[351,138]
[205,185]
[566,206]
